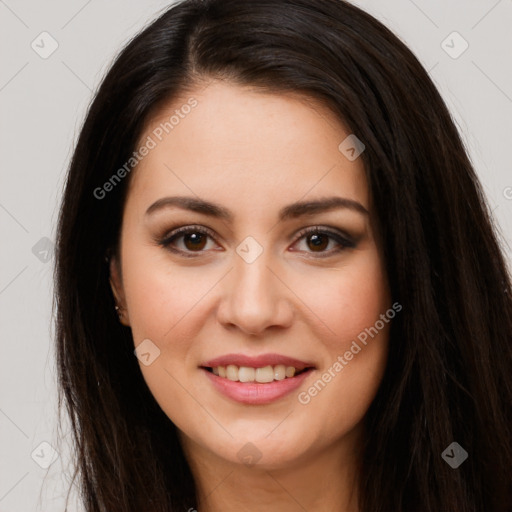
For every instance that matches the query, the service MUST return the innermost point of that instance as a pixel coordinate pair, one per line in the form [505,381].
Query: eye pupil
[198,240]
[317,241]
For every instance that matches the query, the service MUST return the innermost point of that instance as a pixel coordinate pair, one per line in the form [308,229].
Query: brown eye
[317,242]
[194,241]
[188,240]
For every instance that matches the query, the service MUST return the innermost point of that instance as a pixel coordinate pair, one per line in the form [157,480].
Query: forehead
[246,147]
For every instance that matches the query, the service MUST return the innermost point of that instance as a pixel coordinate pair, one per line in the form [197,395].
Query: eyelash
[343,242]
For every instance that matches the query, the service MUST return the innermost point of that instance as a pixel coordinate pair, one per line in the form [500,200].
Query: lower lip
[255,393]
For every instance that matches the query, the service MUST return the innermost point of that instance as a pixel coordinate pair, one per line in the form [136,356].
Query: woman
[313,309]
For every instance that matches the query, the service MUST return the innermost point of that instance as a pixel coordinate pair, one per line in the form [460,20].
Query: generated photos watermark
[305,397]
[150,143]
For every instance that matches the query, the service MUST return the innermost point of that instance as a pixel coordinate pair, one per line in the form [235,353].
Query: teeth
[290,371]
[280,371]
[247,374]
[265,374]
[231,372]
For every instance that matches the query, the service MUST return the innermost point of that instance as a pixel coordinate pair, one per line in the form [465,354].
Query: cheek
[347,299]
[159,296]
[348,304]
[345,389]
[163,307]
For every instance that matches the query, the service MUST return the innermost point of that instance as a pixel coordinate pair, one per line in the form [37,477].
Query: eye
[192,238]
[317,239]
[188,240]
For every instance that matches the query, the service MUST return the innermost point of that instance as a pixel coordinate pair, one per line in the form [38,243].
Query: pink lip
[257,362]
[255,393]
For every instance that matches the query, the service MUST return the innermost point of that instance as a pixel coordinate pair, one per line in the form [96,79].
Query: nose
[254,298]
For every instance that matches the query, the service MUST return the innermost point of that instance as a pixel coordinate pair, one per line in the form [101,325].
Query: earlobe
[118,292]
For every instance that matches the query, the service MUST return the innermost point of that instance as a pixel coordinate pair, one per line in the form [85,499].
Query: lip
[255,393]
[257,361]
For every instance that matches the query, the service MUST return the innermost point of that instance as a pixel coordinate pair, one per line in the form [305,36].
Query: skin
[254,153]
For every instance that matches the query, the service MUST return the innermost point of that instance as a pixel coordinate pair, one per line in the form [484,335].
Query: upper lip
[257,361]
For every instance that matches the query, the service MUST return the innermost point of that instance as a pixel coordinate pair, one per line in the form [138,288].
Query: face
[267,275]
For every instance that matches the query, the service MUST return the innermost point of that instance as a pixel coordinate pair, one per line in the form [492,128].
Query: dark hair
[449,372]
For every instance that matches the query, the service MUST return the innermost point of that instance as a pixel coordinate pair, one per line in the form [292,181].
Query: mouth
[256,380]
[262,375]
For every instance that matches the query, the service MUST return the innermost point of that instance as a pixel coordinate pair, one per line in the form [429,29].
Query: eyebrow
[291,211]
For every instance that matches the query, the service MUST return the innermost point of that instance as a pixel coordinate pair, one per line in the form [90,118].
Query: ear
[116,283]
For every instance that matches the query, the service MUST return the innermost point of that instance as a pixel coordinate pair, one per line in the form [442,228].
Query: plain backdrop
[43,99]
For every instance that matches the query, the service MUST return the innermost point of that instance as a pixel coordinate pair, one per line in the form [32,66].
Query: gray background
[42,104]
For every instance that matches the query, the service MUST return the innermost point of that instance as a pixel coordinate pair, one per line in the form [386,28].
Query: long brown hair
[449,375]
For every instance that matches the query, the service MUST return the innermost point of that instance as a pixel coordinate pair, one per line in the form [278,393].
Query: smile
[256,380]
[262,375]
